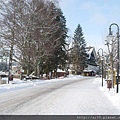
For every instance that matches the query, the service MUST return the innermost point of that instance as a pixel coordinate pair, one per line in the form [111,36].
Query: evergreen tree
[78,51]
[59,57]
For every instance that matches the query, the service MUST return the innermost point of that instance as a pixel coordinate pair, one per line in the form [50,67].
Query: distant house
[91,62]
[92,66]
[60,73]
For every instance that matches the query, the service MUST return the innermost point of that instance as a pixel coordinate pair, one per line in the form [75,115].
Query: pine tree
[78,51]
[59,57]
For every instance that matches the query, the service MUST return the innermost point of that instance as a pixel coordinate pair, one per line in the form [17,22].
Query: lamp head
[110,32]
[110,37]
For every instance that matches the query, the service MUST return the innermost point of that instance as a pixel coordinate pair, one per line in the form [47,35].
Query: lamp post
[102,63]
[111,36]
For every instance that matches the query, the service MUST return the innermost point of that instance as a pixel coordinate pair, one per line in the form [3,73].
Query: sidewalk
[110,94]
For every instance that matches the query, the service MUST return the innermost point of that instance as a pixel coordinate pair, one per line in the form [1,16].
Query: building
[91,62]
[92,65]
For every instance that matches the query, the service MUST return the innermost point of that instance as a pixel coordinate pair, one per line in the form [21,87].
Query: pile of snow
[111,94]
[17,84]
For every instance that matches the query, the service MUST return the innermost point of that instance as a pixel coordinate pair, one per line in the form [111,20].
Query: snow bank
[111,94]
[17,84]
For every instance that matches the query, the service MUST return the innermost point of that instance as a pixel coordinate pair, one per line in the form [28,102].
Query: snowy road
[68,97]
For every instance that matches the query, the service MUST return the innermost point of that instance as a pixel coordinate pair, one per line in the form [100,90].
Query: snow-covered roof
[59,70]
[3,73]
[88,71]
[69,70]
[89,51]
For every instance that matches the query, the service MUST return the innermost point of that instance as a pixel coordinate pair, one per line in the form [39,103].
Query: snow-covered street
[74,95]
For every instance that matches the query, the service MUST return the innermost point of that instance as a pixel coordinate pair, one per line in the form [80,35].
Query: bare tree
[8,24]
[112,56]
[33,28]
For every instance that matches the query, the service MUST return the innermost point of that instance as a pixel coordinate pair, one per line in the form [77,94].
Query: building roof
[59,70]
[91,50]
[89,71]
[92,57]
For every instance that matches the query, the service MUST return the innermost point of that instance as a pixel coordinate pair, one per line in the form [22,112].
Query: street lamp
[109,37]
[102,63]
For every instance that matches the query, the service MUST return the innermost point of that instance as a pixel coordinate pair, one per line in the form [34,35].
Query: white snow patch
[17,84]
[111,94]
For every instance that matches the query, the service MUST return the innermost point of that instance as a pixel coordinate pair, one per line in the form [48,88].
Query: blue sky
[94,16]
